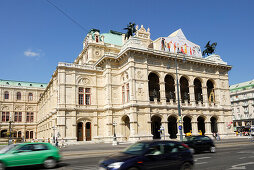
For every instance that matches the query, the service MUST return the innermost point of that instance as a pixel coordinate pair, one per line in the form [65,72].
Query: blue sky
[35,36]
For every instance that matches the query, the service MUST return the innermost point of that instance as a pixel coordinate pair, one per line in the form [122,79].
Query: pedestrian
[217,136]
[48,140]
[56,142]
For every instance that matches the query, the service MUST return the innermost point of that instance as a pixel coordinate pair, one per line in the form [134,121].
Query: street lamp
[10,140]
[178,100]
[114,137]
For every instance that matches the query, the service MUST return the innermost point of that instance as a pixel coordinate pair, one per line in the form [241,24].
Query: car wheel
[2,167]
[212,149]
[186,166]
[133,168]
[49,163]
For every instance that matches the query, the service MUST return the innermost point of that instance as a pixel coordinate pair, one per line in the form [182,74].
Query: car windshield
[136,149]
[7,148]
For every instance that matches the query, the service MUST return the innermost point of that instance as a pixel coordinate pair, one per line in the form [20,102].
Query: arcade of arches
[189,125]
[166,89]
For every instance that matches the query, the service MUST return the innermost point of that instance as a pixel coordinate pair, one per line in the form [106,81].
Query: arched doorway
[3,133]
[126,127]
[169,88]
[184,88]
[80,136]
[154,87]
[201,124]
[210,91]
[155,127]
[172,127]
[214,127]
[187,124]
[88,131]
[198,90]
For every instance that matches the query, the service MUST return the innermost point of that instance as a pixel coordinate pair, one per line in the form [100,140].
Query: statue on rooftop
[209,48]
[130,30]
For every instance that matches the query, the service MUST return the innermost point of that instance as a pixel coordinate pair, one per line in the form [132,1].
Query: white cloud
[31,54]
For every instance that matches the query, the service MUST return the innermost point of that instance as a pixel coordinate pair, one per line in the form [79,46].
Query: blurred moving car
[156,155]
[200,143]
[24,154]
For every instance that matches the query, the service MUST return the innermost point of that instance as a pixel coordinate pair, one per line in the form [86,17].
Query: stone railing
[85,66]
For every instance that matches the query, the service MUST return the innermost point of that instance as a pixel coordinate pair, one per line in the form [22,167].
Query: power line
[69,17]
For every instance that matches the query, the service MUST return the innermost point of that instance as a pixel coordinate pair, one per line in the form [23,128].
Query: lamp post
[178,100]
[9,142]
[114,137]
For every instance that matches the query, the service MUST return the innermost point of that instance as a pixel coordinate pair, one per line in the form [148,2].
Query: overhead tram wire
[68,16]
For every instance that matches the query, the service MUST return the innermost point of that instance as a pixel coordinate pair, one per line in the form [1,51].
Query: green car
[29,154]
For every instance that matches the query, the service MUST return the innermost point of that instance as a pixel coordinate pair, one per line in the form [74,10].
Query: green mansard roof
[22,83]
[113,37]
[242,86]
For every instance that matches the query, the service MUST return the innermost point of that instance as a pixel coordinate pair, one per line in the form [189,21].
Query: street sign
[180,127]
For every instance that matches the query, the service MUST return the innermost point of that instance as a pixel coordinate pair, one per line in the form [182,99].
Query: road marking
[241,166]
[199,163]
[201,158]
[242,157]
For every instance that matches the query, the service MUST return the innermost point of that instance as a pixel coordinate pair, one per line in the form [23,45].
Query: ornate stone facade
[132,84]
[18,108]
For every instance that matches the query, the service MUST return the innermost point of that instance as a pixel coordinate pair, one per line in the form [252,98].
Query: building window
[6,95]
[81,96]
[123,94]
[128,92]
[5,116]
[18,117]
[29,117]
[27,134]
[31,134]
[18,96]
[88,96]
[19,134]
[30,96]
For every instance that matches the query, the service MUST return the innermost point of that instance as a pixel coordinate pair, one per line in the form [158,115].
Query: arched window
[30,96]
[6,95]
[18,96]
[198,90]
[169,88]
[154,87]
[210,91]
[184,87]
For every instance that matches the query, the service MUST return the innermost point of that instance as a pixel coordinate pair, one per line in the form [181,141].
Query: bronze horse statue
[130,30]
[209,48]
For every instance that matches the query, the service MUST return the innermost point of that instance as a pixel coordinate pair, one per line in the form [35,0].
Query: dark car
[154,155]
[200,143]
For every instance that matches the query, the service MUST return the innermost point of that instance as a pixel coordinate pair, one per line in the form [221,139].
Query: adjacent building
[242,102]
[18,108]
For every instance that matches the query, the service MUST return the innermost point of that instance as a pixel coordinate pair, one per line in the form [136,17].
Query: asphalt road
[226,158]
[230,155]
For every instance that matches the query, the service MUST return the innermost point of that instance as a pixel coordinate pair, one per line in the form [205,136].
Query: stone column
[208,128]
[192,95]
[165,125]
[194,125]
[205,97]
[133,125]
[162,93]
